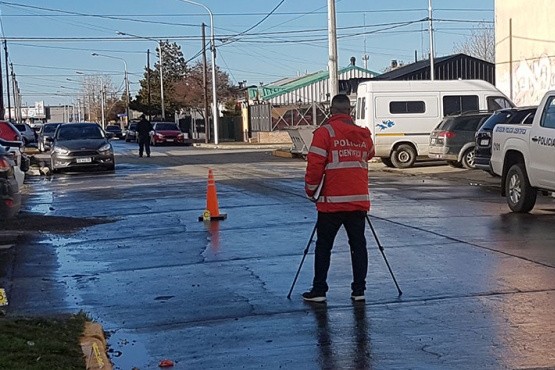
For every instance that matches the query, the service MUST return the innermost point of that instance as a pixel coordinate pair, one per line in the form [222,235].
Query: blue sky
[293,40]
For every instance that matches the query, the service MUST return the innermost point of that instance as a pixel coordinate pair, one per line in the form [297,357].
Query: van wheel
[387,161]
[521,196]
[403,156]
[468,159]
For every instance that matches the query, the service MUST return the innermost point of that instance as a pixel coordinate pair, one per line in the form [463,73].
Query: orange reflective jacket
[340,150]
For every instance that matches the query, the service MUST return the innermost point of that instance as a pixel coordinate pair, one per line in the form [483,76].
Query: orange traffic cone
[212,211]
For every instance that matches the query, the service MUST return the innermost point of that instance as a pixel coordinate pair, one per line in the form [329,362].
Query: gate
[265,117]
[260,117]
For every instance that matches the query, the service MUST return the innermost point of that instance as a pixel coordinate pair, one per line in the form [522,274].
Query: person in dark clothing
[144,127]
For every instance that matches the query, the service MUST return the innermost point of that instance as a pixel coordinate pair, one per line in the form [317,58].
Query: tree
[183,85]
[174,69]
[191,92]
[480,44]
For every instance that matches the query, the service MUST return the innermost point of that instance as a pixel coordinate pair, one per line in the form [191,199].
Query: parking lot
[478,281]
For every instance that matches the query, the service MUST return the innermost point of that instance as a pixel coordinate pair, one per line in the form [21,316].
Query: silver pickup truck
[524,157]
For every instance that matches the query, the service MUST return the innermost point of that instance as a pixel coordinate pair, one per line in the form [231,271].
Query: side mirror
[110,135]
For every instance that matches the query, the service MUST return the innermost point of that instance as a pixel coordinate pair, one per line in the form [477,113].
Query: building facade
[524,49]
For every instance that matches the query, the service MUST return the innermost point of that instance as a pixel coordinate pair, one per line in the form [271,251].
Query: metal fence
[267,117]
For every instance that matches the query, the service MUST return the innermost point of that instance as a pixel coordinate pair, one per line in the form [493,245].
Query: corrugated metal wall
[315,92]
[459,68]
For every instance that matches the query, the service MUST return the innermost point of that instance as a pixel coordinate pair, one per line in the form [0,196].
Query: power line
[257,14]
[78,49]
[110,17]
[263,19]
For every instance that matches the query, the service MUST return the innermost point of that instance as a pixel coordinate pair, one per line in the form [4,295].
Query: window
[469,123]
[498,102]
[404,107]
[358,108]
[548,117]
[363,108]
[459,104]
[529,119]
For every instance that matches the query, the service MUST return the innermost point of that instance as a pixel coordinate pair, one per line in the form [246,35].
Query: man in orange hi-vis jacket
[338,167]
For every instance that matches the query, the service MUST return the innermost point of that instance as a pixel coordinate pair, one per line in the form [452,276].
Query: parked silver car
[80,146]
[28,135]
[45,135]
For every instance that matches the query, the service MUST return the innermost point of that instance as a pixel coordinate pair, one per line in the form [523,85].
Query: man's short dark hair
[340,104]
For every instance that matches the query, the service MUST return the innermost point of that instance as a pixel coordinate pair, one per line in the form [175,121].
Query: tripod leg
[380,247]
[302,260]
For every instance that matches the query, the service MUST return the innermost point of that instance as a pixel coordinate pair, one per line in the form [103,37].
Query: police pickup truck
[524,157]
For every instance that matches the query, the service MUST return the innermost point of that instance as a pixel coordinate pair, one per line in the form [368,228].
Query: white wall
[533,49]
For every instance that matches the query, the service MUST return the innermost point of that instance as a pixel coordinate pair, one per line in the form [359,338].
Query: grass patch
[41,343]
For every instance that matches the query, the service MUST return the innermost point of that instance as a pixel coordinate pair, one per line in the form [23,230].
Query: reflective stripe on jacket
[340,150]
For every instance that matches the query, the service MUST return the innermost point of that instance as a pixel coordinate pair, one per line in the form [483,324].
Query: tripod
[380,247]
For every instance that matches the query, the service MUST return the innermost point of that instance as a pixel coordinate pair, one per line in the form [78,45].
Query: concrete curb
[282,146]
[93,345]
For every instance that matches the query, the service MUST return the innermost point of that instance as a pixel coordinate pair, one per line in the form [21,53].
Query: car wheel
[468,159]
[521,196]
[387,161]
[403,156]
[455,164]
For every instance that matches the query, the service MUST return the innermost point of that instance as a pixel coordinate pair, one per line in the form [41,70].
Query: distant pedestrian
[144,127]
[339,154]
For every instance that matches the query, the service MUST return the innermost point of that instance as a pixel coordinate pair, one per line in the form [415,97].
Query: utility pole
[2,110]
[102,105]
[511,58]
[162,83]
[7,80]
[431,40]
[205,87]
[148,83]
[333,84]
[14,91]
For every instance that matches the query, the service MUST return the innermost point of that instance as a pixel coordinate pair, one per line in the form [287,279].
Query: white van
[401,114]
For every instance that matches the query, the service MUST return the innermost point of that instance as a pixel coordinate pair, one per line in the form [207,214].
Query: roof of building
[415,67]
[287,85]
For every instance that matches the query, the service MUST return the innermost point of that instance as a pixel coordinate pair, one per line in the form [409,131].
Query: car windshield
[49,129]
[166,126]
[79,132]
[519,116]
[496,119]
[112,128]
[20,127]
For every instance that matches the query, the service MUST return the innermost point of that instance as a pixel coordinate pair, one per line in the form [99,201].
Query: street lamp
[126,80]
[213,49]
[161,69]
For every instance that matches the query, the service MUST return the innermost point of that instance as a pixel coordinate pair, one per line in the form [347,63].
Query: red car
[166,133]
[9,132]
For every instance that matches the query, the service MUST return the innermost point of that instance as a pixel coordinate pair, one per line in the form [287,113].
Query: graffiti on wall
[532,78]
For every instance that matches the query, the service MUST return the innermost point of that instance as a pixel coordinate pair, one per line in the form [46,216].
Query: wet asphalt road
[478,281]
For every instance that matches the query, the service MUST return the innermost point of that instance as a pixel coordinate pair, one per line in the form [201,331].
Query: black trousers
[327,226]
[144,143]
